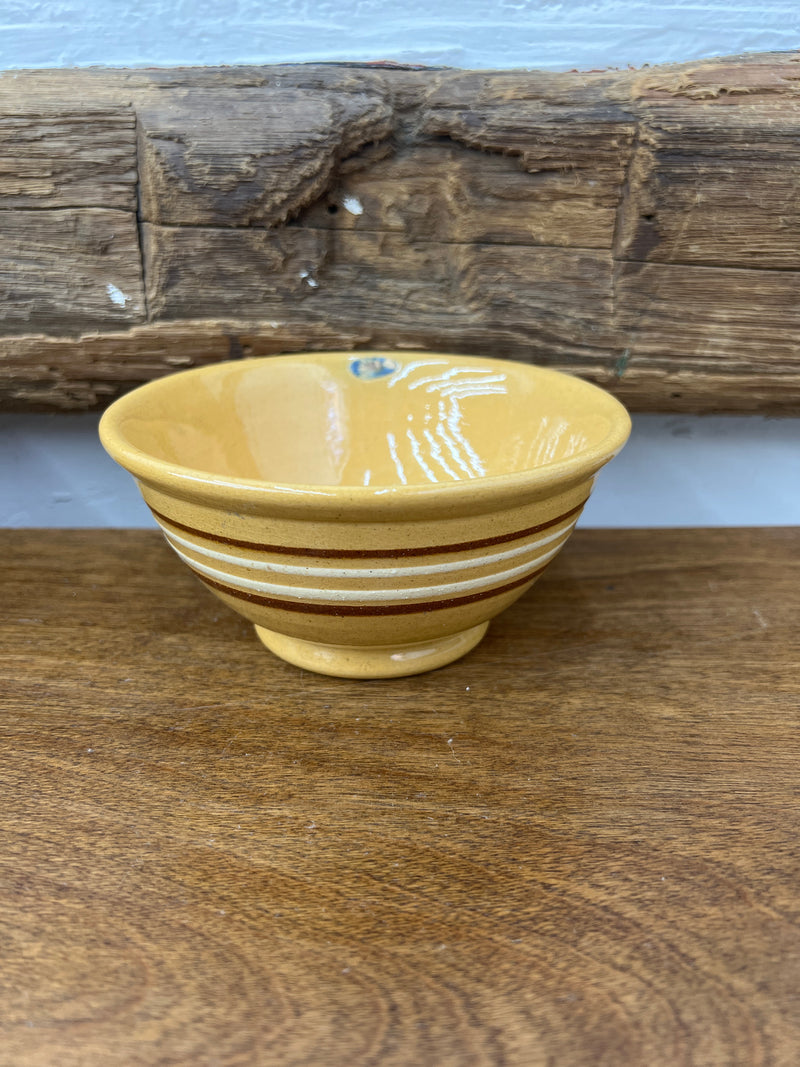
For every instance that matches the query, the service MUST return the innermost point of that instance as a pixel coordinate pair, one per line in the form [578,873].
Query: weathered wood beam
[66,158]
[69,271]
[251,159]
[640,228]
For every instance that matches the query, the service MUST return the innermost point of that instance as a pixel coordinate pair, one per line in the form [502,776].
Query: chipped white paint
[353,205]
[116,296]
[306,277]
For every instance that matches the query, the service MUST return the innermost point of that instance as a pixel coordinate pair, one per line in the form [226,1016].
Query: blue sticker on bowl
[370,367]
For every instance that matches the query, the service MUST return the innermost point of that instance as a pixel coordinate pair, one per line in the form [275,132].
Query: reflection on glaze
[548,443]
[442,430]
[417,450]
[401,474]
[415,365]
[370,421]
[336,427]
[437,456]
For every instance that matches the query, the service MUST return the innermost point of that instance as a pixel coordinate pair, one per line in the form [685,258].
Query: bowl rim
[477,494]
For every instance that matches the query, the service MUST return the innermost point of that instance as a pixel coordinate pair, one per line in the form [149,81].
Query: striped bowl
[368,513]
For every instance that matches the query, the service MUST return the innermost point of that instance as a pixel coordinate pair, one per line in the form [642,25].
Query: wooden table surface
[577,846]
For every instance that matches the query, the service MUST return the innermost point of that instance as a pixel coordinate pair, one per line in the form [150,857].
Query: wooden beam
[67,159]
[67,271]
[697,197]
[639,228]
[248,157]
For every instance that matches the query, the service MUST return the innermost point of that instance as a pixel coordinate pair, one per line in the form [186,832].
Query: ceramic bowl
[369,513]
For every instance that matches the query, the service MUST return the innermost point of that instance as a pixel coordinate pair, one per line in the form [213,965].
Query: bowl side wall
[185,434]
[369,583]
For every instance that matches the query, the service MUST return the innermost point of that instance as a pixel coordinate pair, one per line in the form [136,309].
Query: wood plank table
[577,846]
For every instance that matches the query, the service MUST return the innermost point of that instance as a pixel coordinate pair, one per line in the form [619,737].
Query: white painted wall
[462,33]
[674,471]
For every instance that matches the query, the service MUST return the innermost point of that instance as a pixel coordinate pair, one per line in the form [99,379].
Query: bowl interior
[341,419]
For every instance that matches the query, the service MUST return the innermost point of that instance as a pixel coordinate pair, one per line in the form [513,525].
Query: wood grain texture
[725,311]
[695,199]
[558,218]
[417,295]
[576,846]
[251,157]
[76,270]
[78,158]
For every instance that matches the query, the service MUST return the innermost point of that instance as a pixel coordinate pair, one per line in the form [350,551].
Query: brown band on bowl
[306,608]
[372,553]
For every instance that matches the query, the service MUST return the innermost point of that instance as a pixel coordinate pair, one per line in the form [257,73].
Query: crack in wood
[689,266]
[140,221]
[625,192]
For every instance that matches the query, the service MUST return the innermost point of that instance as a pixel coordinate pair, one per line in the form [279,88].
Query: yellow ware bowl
[370,513]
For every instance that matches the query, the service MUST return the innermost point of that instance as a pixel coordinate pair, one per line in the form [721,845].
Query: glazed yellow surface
[377,420]
[368,513]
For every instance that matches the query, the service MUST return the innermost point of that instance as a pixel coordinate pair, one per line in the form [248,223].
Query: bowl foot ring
[378,661]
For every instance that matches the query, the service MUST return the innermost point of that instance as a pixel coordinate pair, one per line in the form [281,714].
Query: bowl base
[364,661]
